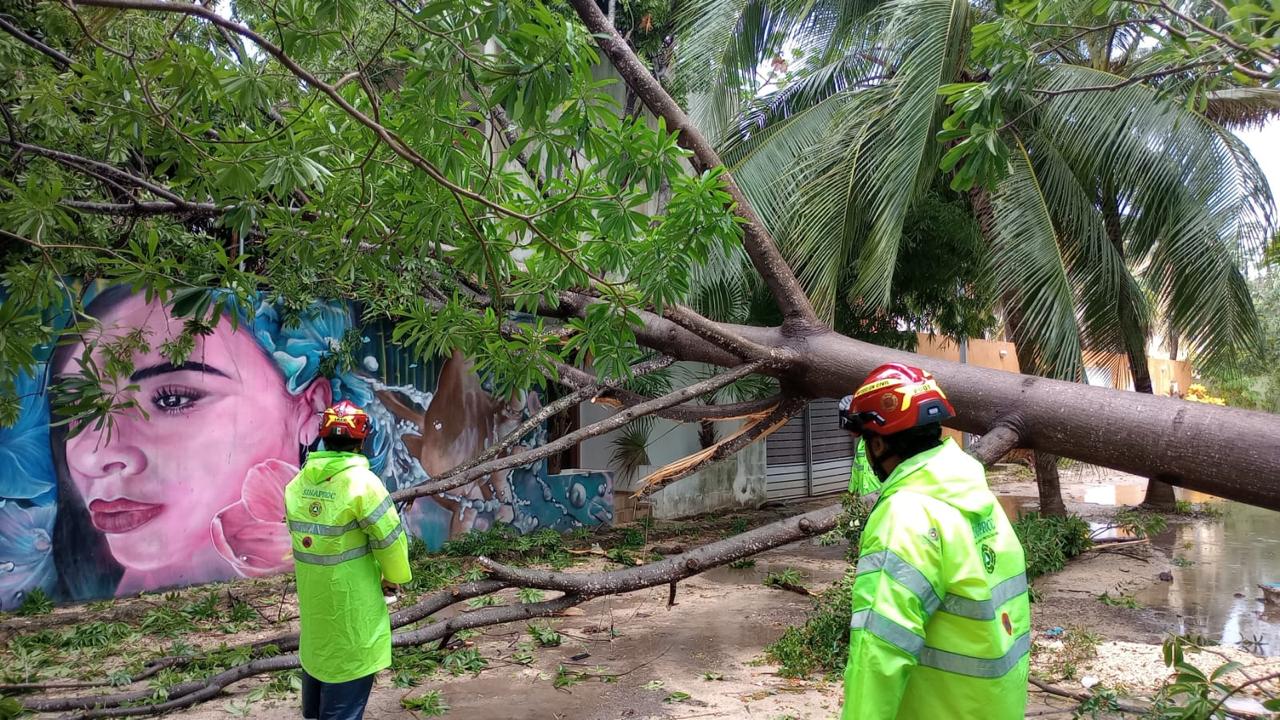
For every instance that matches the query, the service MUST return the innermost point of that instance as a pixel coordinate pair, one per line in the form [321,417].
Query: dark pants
[334,701]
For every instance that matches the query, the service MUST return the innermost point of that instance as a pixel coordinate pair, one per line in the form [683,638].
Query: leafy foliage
[821,644]
[504,542]
[1191,694]
[1049,542]
[36,603]
[545,635]
[445,183]
[787,577]
[430,703]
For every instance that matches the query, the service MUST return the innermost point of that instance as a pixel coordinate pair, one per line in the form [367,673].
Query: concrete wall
[738,482]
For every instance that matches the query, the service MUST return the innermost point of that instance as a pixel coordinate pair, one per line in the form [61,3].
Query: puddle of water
[1114,494]
[1016,506]
[1130,494]
[1217,595]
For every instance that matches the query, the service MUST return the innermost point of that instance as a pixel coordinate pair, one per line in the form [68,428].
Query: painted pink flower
[251,535]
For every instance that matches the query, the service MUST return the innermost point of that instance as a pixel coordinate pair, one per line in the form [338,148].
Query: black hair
[338,443]
[910,443]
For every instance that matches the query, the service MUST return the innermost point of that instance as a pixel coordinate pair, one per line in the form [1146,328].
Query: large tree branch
[619,397]
[146,208]
[998,441]
[1224,451]
[611,423]
[673,568]
[577,397]
[762,428]
[83,164]
[654,332]
[760,247]
[711,331]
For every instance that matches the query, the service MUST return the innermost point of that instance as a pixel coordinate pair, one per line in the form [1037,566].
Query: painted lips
[121,516]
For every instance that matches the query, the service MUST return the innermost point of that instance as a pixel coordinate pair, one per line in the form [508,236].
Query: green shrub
[1049,542]
[821,645]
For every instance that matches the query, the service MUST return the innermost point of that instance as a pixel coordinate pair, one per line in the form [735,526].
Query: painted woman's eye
[175,399]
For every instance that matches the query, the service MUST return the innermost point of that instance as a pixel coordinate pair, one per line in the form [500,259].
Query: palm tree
[1103,196]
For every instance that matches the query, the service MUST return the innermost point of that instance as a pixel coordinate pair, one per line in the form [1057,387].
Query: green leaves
[294,171]
[977,156]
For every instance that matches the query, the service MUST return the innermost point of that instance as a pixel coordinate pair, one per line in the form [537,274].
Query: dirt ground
[703,657]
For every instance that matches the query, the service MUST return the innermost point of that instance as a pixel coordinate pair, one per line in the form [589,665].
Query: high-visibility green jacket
[862,479]
[346,538]
[941,621]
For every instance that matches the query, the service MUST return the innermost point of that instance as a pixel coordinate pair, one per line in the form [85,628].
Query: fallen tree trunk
[1223,451]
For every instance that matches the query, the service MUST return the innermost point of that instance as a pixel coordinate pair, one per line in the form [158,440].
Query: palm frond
[631,448]
[1031,272]
[901,152]
[1239,108]
[1196,206]
[722,44]
[766,162]
[826,222]
[720,289]
[1097,268]
[1157,153]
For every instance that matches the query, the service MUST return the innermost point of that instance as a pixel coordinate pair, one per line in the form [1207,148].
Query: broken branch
[578,396]
[759,244]
[608,424]
[761,428]
[673,568]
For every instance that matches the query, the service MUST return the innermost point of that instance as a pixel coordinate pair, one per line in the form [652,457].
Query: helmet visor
[859,423]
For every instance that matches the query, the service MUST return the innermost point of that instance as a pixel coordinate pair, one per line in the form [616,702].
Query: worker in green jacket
[941,621]
[862,479]
[348,548]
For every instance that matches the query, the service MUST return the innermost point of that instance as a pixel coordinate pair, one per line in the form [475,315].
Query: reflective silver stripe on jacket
[389,539]
[376,514]
[888,631]
[989,668]
[318,529]
[986,609]
[905,573]
[314,559]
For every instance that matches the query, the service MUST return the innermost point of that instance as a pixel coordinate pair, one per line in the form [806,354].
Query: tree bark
[1049,485]
[765,256]
[706,434]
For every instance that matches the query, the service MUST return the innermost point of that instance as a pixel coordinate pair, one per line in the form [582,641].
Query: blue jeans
[335,701]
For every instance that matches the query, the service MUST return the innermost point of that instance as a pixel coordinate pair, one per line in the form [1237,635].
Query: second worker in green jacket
[941,624]
[348,546]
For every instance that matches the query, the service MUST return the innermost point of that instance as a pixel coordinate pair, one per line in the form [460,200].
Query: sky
[1264,143]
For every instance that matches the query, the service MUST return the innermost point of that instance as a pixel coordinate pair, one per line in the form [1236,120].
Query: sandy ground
[709,646]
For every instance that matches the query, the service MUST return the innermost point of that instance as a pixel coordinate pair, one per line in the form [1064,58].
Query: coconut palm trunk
[1134,333]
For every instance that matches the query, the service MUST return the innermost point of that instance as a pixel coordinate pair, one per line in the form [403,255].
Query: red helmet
[893,398]
[345,419]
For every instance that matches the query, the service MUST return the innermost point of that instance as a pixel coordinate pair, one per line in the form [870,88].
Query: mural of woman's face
[153,484]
